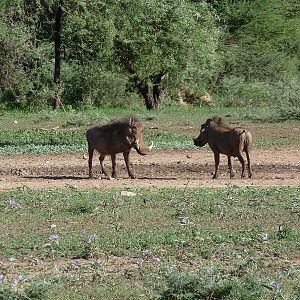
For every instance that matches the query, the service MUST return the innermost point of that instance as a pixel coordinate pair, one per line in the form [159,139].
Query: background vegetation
[241,53]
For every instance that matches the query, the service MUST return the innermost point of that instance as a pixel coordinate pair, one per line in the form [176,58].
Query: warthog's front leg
[91,153]
[217,162]
[113,161]
[128,164]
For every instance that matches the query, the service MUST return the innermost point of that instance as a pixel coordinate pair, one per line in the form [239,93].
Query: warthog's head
[202,139]
[135,136]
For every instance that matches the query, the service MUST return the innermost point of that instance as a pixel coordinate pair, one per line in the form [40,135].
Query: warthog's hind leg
[230,167]
[103,170]
[113,161]
[242,161]
[248,163]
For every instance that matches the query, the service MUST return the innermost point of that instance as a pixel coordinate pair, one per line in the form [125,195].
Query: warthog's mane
[125,121]
[218,121]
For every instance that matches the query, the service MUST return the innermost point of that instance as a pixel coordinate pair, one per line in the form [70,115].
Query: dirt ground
[278,166]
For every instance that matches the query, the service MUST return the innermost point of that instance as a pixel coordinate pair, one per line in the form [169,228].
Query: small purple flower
[140,261]
[91,238]
[156,259]
[54,237]
[276,286]
[11,259]
[145,251]
[18,279]
[77,262]
[184,220]
[12,202]
[56,265]
[2,277]
[265,236]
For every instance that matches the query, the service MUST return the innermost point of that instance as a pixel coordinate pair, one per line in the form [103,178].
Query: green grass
[56,132]
[239,232]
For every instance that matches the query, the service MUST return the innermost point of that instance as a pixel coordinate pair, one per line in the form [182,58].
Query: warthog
[226,140]
[113,138]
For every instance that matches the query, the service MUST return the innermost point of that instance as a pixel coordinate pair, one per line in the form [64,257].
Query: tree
[175,38]
[57,42]
[146,40]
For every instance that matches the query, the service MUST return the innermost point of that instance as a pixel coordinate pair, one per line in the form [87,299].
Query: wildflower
[156,259]
[184,220]
[56,265]
[265,236]
[18,279]
[52,226]
[2,276]
[54,237]
[276,286]
[140,261]
[91,238]
[12,258]
[77,262]
[12,202]
[145,251]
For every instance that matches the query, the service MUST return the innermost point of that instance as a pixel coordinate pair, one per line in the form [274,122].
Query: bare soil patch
[160,169]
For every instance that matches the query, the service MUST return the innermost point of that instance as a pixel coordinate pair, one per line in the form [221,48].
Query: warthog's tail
[247,138]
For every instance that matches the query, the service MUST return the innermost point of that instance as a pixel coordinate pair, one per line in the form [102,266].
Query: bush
[91,85]
[282,97]
[211,285]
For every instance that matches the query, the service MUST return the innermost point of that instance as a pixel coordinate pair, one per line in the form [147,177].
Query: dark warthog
[113,138]
[226,140]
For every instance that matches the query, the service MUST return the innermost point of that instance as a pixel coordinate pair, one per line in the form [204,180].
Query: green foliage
[211,284]
[33,290]
[108,48]
[261,54]
[241,52]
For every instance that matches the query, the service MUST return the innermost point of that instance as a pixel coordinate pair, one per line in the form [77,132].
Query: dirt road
[160,169]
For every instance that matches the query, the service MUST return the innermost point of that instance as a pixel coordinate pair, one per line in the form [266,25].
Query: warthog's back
[107,139]
[229,141]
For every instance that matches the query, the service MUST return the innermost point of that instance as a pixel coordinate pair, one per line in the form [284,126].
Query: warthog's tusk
[138,143]
[151,146]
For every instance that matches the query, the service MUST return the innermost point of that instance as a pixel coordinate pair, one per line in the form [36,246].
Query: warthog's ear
[208,121]
[218,120]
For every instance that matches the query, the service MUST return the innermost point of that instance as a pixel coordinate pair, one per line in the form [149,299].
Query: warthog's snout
[141,148]
[196,142]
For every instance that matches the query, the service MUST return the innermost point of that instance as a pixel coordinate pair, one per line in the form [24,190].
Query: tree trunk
[57,41]
[157,90]
[153,98]
[149,100]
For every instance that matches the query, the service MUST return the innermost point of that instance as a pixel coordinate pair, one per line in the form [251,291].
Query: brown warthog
[113,138]
[226,140]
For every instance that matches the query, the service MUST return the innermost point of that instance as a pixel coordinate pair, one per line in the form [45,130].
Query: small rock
[129,194]
[188,156]
[15,122]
